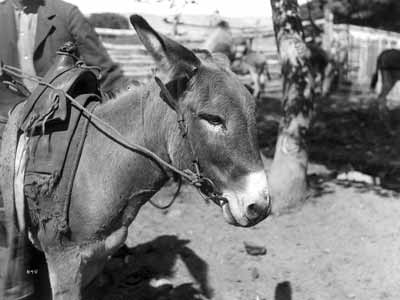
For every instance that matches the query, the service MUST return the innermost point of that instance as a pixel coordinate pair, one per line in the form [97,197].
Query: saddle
[56,132]
[47,105]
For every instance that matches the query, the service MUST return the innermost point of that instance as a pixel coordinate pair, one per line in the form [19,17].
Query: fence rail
[363,47]
[125,48]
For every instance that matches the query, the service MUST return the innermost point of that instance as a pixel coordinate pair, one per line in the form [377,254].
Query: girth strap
[72,167]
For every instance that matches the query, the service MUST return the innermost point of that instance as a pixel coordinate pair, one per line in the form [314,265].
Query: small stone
[253,249]
[255,274]
[160,282]
[176,213]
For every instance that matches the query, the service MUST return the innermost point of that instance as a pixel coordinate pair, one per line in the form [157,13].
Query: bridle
[203,184]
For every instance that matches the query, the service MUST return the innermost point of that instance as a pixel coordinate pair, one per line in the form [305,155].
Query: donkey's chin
[228,214]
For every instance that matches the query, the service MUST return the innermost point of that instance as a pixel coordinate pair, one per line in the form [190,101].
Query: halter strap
[204,184]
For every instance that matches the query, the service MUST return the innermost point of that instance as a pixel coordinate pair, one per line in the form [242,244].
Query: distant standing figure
[388,66]
[215,18]
[177,7]
[254,63]
[325,68]
[221,40]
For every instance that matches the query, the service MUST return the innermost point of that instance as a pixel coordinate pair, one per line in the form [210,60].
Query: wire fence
[363,46]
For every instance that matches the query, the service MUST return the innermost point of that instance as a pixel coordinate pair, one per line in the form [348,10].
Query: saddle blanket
[45,168]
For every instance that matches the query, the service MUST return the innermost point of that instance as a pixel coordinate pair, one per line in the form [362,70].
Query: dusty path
[342,245]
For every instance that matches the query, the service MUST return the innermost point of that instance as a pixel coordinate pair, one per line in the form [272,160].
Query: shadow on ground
[142,273]
[283,291]
[324,184]
[348,133]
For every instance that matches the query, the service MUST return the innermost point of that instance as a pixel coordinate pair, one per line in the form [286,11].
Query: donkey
[388,65]
[325,68]
[254,63]
[112,182]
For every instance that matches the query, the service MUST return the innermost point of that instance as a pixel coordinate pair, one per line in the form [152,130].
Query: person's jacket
[58,22]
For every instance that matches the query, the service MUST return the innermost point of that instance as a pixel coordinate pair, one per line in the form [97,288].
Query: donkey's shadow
[141,273]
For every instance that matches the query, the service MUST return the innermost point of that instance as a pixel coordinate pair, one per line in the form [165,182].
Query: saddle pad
[47,105]
[48,149]
[19,174]
[52,162]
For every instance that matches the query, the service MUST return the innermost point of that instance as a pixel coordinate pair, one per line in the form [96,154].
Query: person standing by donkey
[33,30]
[31,33]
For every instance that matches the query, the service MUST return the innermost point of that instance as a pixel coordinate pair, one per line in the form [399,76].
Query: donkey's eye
[212,119]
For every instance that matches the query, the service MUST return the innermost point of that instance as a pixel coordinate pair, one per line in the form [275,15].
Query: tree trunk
[288,181]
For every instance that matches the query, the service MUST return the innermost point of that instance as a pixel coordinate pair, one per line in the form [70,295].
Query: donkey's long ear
[170,56]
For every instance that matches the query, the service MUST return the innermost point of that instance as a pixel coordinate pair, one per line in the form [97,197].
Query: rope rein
[203,184]
[107,128]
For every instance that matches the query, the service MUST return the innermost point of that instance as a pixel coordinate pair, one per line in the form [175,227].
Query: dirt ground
[342,243]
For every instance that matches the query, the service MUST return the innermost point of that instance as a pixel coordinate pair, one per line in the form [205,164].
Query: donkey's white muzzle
[250,204]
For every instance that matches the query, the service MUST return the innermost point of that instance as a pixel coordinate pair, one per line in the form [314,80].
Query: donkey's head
[221,131]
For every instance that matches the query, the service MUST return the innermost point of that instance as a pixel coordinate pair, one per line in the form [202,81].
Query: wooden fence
[362,44]
[125,48]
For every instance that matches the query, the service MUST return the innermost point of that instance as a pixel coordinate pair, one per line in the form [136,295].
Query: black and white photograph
[199,150]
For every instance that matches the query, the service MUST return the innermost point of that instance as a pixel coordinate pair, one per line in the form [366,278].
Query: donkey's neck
[117,180]
[141,117]
[144,119]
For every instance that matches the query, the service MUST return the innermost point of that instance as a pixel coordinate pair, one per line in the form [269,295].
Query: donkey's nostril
[253,211]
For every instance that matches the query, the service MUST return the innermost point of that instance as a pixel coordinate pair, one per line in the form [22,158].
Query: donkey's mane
[123,110]
[130,95]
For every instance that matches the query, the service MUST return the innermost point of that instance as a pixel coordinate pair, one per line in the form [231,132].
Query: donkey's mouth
[230,219]
[245,218]
[228,214]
